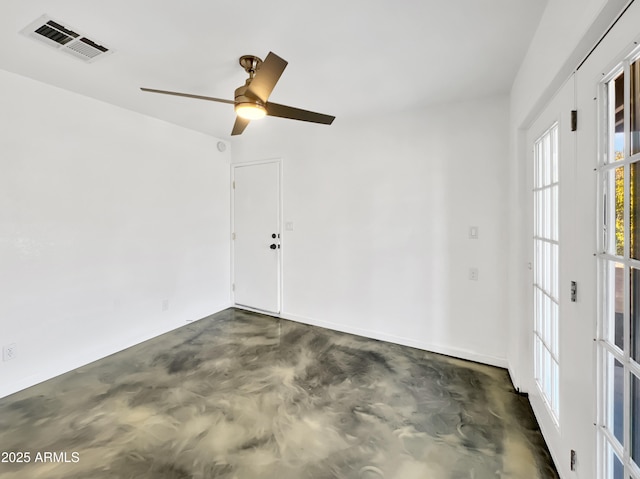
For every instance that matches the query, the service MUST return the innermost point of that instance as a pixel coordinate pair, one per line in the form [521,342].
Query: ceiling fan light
[250,111]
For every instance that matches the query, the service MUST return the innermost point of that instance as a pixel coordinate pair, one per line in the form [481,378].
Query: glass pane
[635,107]
[634,291]
[546,158]
[555,387]
[620,211]
[554,342]
[554,153]
[554,271]
[536,213]
[546,277]
[540,230]
[616,99]
[616,307]
[609,220]
[546,372]
[546,332]
[634,209]
[614,465]
[635,418]
[618,400]
[554,209]
[537,166]
[615,397]
[546,227]
[538,358]
[537,251]
[537,298]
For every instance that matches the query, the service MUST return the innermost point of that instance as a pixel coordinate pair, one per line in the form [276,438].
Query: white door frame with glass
[550,180]
[546,268]
[619,270]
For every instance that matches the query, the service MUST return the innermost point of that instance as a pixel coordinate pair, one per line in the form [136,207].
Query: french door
[608,149]
[619,257]
[551,181]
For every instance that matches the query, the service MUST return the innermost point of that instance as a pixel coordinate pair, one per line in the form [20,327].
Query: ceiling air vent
[66,39]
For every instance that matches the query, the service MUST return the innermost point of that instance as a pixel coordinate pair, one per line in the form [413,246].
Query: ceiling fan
[250,101]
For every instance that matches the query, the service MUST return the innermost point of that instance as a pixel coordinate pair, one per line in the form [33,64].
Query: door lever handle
[273,246]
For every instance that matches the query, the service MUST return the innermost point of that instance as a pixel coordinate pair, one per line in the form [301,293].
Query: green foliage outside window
[619,208]
[635,248]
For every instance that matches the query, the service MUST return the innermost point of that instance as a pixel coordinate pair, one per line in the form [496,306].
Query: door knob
[273,246]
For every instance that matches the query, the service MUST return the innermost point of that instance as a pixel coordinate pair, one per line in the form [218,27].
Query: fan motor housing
[241,97]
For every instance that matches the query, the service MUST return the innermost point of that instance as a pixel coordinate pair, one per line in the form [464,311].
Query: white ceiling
[345,57]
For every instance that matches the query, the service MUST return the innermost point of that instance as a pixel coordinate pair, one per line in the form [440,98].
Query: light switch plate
[473,274]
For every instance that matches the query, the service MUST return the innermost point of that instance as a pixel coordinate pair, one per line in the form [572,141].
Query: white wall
[381,209]
[568,29]
[105,215]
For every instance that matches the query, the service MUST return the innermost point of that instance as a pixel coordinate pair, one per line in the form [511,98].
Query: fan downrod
[250,63]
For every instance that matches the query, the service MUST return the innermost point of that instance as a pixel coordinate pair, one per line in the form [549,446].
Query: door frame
[279,162]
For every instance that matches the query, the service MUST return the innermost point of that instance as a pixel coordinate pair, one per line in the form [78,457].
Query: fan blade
[283,111]
[267,76]
[239,126]
[189,95]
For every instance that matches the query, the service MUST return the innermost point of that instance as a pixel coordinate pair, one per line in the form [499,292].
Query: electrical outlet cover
[8,352]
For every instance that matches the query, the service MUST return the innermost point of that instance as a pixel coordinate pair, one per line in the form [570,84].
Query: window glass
[546,260]
[634,209]
[616,121]
[615,397]
[635,418]
[619,209]
[615,470]
[635,313]
[634,107]
[615,314]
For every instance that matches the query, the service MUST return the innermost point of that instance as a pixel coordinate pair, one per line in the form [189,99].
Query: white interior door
[256,244]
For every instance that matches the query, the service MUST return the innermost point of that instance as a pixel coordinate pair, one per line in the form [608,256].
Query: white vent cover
[65,39]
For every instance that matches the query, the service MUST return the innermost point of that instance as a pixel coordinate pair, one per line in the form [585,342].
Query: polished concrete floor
[239,395]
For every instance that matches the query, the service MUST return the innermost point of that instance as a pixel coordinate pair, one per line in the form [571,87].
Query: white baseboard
[49,371]
[54,370]
[425,346]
